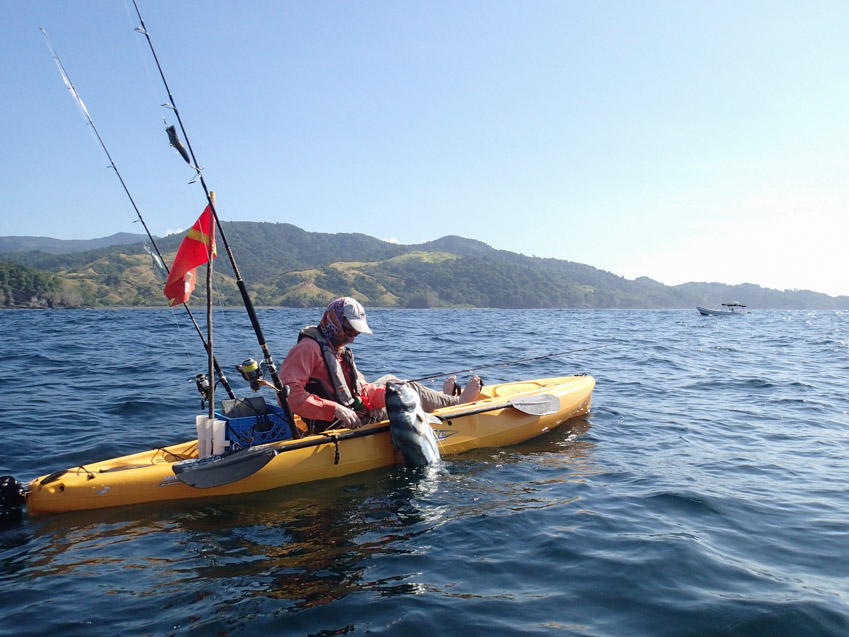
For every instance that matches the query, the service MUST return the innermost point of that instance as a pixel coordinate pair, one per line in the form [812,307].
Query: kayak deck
[149,476]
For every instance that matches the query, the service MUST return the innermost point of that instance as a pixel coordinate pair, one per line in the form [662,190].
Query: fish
[409,426]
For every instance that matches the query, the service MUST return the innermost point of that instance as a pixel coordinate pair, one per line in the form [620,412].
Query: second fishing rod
[158,260]
[509,363]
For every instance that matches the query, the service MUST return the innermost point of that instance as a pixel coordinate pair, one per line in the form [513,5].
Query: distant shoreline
[236,308]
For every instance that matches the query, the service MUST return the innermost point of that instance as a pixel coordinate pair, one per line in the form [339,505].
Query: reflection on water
[311,544]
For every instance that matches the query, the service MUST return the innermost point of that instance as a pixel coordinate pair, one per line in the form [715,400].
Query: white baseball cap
[356,315]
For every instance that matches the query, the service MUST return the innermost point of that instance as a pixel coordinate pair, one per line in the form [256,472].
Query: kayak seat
[244,407]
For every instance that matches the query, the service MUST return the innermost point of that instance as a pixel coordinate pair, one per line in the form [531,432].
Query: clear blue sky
[680,140]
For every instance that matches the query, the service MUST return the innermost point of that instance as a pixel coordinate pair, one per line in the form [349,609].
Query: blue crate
[249,431]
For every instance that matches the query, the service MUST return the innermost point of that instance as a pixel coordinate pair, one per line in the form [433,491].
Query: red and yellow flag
[192,253]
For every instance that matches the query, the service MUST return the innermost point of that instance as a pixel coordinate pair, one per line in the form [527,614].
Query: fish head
[401,398]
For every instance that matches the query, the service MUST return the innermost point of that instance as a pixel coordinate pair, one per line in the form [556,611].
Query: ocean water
[705,494]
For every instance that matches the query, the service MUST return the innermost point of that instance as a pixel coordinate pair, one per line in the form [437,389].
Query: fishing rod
[508,363]
[161,262]
[189,157]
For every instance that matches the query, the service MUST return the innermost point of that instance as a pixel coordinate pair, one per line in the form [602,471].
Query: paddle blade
[537,405]
[215,471]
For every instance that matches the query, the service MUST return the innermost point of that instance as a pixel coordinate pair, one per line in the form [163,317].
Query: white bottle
[219,439]
[204,433]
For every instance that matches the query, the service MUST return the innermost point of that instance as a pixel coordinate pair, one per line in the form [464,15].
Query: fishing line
[90,122]
[508,363]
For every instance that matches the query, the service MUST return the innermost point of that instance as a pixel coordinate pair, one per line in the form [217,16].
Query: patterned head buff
[331,323]
[341,313]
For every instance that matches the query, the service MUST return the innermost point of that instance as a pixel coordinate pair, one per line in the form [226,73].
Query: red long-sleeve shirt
[303,362]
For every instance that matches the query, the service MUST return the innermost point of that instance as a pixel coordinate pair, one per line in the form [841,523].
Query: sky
[683,141]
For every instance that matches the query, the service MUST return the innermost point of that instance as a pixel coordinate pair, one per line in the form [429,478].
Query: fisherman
[325,385]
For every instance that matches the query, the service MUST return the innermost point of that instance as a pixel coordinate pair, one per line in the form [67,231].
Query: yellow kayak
[499,417]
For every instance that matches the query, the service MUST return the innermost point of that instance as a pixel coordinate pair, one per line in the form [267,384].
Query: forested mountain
[21,286]
[64,246]
[284,265]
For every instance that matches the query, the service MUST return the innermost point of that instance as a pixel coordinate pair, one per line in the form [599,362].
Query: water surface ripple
[704,495]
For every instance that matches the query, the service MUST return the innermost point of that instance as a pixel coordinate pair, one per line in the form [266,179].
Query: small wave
[790,617]
[682,503]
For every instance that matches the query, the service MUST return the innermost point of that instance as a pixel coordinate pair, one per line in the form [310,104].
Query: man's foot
[472,390]
[449,386]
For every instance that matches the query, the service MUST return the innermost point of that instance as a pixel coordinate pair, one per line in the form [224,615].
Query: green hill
[22,286]
[65,246]
[283,265]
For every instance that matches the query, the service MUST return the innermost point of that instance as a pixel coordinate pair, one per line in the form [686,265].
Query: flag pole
[210,248]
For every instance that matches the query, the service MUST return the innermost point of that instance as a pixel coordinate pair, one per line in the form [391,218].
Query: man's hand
[348,416]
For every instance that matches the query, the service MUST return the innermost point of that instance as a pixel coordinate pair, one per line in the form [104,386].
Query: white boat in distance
[728,310]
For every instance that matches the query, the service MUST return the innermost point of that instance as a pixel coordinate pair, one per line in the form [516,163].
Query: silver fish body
[409,426]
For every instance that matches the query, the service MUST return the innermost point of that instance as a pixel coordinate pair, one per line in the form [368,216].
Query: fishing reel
[252,372]
[202,383]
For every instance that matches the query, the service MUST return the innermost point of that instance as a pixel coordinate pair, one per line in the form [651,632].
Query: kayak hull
[150,476]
